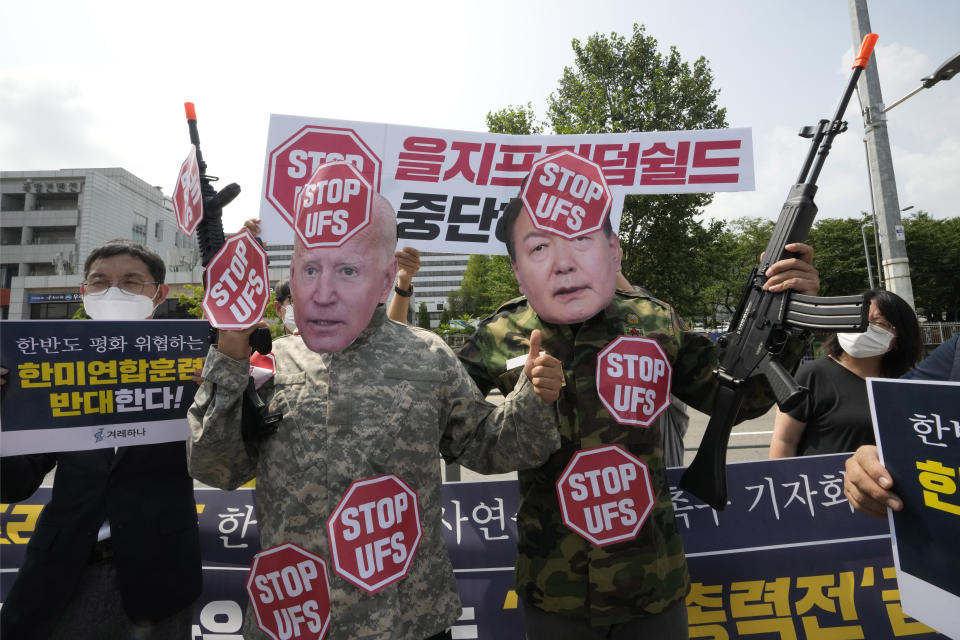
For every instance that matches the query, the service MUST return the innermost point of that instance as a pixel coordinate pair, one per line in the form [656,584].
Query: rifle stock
[761,327]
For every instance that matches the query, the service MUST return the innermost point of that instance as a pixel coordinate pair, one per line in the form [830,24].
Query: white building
[51,220]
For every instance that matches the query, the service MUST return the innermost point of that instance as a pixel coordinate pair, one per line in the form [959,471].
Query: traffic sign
[289,590]
[187,199]
[237,293]
[297,158]
[333,206]
[605,494]
[374,532]
[567,195]
[633,380]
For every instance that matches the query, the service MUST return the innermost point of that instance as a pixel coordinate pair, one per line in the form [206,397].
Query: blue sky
[87,83]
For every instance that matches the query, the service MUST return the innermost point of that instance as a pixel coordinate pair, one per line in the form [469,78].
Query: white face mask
[114,304]
[872,342]
[288,322]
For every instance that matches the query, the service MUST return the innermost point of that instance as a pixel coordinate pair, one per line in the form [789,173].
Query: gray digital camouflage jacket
[392,402]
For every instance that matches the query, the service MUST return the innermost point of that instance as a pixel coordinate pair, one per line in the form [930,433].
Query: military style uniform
[387,404]
[557,570]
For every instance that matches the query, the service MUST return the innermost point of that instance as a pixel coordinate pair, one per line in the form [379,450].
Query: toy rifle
[756,343]
[255,423]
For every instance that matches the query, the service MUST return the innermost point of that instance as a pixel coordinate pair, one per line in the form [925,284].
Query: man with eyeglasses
[116,551]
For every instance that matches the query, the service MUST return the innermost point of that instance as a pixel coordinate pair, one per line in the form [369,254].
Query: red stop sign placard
[567,195]
[237,292]
[605,494]
[333,205]
[289,590]
[297,158]
[374,532]
[187,200]
[633,380]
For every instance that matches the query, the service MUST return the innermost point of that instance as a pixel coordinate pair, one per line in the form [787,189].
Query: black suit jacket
[147,496]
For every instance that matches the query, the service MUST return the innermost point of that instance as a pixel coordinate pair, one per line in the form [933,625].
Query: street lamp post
[866,252]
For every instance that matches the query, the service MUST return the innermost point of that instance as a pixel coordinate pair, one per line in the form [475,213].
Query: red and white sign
[633,380]
[237,291]
[289,590]
[262,367]
[605,494]
[567,195]
[374,532]
[187,199]
[297,158]
[333,205]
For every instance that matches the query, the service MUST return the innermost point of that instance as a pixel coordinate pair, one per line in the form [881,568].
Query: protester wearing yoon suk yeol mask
[835,417]
[116,551]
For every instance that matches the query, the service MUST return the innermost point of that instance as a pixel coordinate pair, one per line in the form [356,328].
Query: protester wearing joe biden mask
[116,550]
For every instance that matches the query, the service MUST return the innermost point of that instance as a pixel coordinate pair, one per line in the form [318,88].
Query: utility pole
[896,268]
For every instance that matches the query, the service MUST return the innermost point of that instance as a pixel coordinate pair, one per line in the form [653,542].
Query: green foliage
[514,120]
[191,301]
[933,248]
[423,316]
[838,256]
[444,317]
[487,283]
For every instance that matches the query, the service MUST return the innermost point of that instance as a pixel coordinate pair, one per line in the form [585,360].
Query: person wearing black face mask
[835,417]
[116,551]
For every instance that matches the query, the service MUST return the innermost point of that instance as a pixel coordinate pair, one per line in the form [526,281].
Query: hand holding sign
[544,371]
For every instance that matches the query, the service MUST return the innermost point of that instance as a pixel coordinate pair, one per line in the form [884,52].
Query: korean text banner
[788,558]
[75,385]
[449,187]
[917,427]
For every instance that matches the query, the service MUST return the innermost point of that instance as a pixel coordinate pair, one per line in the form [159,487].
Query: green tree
[619,84]
[423,316]
[737,251]
[444,317]
[487,283]
[933,248]
[838,256]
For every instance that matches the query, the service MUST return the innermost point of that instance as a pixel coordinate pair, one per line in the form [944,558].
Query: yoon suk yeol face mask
[872,342]
[114,304]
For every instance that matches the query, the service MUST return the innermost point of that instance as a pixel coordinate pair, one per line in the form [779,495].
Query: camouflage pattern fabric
[557,570]
[392,402]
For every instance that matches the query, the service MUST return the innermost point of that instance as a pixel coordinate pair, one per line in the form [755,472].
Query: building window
[10,235]
[139,233]
[158,230]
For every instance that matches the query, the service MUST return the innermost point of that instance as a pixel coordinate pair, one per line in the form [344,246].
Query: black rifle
[756,343]
[256,424]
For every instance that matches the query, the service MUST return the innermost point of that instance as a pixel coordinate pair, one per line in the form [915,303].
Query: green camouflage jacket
[557,570]
[390,403]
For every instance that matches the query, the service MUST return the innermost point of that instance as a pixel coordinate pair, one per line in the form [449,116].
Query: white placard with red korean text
[237,291]
[450,187]
[289,590]
[187,197]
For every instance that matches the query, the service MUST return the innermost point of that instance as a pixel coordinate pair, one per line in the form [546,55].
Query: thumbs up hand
[544,371]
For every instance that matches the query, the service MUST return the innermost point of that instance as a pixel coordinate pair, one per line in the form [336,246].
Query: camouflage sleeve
[521,433]
[695,383]
[215,451]
[471,356]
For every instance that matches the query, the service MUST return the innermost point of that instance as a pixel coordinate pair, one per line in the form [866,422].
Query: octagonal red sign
[187,199]
[567,195]
[633,380]
[289,591]
[333,205]
[605,494]
[237,293]
[374,532]
[297,158]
